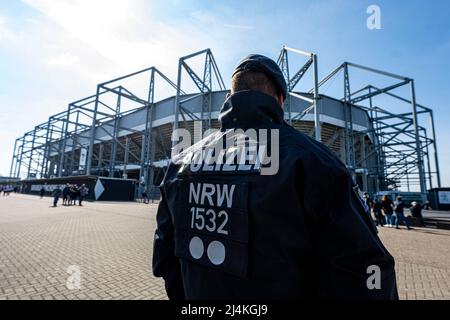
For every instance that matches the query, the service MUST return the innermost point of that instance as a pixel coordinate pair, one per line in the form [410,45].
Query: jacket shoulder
[309,149]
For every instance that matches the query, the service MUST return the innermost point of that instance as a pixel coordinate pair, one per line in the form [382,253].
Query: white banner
[83,157]
[444,197]
[47,187]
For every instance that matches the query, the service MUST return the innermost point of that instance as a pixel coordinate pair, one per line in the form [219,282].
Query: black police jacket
[228,231]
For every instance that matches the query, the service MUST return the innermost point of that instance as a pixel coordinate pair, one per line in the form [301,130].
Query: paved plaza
[109,245]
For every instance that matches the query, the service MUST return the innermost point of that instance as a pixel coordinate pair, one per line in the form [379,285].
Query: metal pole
[31,153]
[74,137]
[147,135]
[112,162]
[49,149]
[46,150]
[374,124]
[12,160]
[177,101]
[151,173]
[316,100]
[364,162]
[284,61]
[436,160]
[407,176]
[423,187]
[349,123]
[147,144]
[62,151]
[92,137]
[100,157]
[427,154]
[125,160]
[19,163]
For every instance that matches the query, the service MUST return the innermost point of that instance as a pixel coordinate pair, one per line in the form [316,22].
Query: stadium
[121,135]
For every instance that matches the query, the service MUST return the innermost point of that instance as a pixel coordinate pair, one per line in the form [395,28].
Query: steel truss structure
[91,137]
[402,142]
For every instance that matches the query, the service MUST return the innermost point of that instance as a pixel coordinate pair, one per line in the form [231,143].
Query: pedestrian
[290,226]
[416,212]
[83,192]
[65,194]
[73,194]
[145,195]
[399,215]
[76,194]
[368,200]
[56,193]
[70,195]
[388,210]
[427,205]
[377,212]
[42,191]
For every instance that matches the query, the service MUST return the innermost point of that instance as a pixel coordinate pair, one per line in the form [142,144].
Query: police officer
[232,230]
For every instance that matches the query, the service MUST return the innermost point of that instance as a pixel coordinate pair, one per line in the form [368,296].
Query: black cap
[260,63]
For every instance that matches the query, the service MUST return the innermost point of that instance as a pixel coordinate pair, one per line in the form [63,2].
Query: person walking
[56,193]
[65,193]
[399,215]
[145,196]
[83,192]
[388,210]
[70,195]
[427,205]
[377,212]
[416,212]
[73,194]
[368,200]
[42,191]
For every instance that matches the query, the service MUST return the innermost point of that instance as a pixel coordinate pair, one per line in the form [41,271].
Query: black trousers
[379,218]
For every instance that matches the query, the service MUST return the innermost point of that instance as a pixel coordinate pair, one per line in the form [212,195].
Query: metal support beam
[350,144]
[125,158]
[423,188]
[31,155]
[92,136]
[318,134]
[436,160]
[363,161]
[112,160]
[13,159]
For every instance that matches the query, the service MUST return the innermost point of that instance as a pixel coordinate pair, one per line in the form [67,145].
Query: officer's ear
[280,99]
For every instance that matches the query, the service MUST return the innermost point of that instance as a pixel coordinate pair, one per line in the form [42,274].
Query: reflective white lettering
[207,192]
[194,193]
[225,193]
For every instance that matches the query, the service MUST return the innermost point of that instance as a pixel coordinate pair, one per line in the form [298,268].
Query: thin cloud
[5,32]
[63,60]
[239,26]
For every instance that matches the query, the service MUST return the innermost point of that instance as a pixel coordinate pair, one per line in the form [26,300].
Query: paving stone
[110,244]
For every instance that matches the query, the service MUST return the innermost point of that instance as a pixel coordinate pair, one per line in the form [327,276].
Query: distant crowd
[71,193]
[7,190]
[390,214]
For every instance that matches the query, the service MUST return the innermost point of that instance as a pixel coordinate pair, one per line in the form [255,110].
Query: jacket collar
[247,109]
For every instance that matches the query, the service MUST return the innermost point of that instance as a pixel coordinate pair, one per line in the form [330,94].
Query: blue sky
[53,52]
